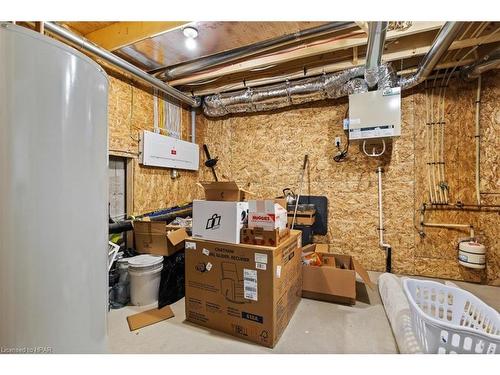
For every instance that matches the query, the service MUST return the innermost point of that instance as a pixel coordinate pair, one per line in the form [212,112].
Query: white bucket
[145,274]
[472,254]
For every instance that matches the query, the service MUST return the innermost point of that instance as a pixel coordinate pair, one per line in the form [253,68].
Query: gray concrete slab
[316,327]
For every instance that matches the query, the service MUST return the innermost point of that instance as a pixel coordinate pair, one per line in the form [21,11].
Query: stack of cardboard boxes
[243,267]
[245,271]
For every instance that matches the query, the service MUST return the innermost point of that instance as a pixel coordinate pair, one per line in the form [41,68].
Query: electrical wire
[342,154]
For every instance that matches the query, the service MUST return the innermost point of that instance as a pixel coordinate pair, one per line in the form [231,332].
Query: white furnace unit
[158,150]
[375,114]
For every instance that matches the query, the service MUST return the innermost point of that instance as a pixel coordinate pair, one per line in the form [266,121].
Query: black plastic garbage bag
[172,280]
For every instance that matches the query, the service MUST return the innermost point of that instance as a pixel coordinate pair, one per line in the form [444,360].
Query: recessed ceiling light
[190,43]
[190,32]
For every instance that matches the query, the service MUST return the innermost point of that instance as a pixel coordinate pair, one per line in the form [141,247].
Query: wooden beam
[121,34]
[392,56]
[355,55]
[353,39]
[363,25]
[330,68]
[39,27]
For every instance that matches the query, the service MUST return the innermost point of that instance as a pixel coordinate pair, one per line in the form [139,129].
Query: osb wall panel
[130,111]
[265,151]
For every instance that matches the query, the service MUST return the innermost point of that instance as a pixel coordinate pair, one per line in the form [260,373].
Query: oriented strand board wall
[264,152]
[131,110]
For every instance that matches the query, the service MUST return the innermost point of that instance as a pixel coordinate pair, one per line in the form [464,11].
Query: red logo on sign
[173,152]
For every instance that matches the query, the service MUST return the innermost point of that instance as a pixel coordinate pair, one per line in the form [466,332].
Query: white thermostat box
[375,114]
[158,150]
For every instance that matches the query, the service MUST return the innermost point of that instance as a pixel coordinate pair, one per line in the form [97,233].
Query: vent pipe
[334,85]
[327,86]
[446,36]
[253,49]
[286,94]
[376,41]
[118,62]
[488,62]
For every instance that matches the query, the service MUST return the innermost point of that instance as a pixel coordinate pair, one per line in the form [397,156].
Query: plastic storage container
[145,274]
[451,320]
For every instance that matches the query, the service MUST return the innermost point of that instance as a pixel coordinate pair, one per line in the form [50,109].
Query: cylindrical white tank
[53,196]
[472,254]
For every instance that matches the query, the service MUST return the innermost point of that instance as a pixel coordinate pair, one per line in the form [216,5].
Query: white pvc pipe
[478,140]
[382,244]
[193,126]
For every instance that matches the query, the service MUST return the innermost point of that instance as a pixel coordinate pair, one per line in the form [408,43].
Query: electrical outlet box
[375,114]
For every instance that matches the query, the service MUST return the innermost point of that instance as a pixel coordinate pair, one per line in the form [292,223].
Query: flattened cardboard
[223,191]
[363,274]
[152,237]
[247,291]
[335,280]
[262,237]
[146,318]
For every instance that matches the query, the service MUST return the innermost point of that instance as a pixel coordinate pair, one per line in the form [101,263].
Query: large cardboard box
[335,279]
[223,191]
[266,214]
[263,237]
[153,237]
[219,221]
[244,290]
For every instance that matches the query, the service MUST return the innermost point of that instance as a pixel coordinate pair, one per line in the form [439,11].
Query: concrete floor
[316,327]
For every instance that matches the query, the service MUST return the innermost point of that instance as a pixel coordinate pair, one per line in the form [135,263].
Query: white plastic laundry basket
[451,320]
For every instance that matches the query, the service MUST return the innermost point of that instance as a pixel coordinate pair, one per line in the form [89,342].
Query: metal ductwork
[488,62]
[375,49]
[118,62]
[446,36]
[327,86]
[286,94]
[335,85]
[246,51]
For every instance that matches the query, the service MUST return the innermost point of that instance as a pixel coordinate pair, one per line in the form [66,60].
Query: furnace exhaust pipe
[253,49]
[446,36]
[118,62]
[376,41]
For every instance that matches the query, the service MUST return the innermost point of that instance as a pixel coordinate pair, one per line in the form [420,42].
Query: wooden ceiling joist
[121,34]
[335,67]
[353,39]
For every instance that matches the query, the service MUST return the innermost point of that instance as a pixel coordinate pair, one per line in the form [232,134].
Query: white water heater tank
[472,254]
[53,196]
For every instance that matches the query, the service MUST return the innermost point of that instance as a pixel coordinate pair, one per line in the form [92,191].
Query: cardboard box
[335,280]
[219,221]
[223,191]
[262,237]
[153,237]
[266,214]
[302,218]
[250,292]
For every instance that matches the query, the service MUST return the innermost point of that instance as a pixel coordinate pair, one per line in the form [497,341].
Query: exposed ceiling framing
[153,41]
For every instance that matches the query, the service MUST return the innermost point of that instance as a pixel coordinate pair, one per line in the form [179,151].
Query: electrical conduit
[382,244]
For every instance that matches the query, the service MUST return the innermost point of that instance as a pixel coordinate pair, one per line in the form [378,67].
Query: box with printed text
[244,290]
